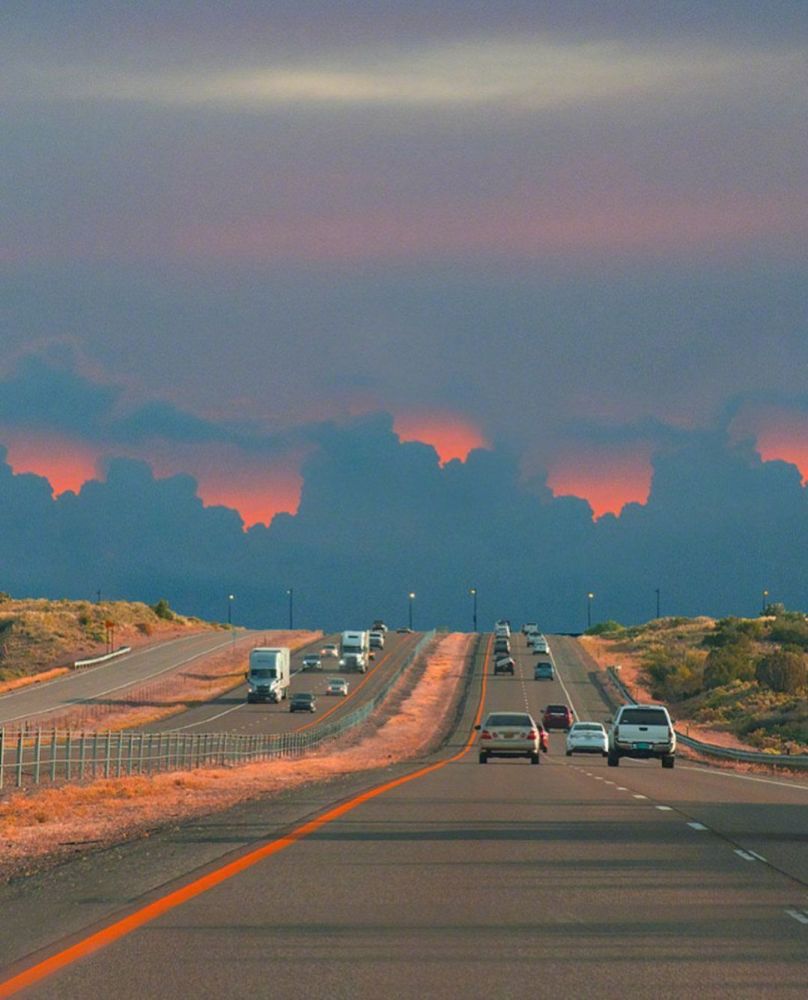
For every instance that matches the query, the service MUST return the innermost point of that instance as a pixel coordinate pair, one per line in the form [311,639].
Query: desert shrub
[728,631]
[784,670]
[144,628]
[603,628]
[790,631]
[675,673]
[162,610]
[725,664]
[4,597]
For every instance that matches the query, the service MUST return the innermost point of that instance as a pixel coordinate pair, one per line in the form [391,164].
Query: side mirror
[371,656]
[477,727]
[247,673]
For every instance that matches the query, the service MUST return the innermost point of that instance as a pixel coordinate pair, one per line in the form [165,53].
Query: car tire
[483,757]
[569,753]
[534,758]
[668,761]
[613,759]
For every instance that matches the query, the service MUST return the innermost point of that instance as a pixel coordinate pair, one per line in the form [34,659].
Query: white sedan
[338,686]
[587,737]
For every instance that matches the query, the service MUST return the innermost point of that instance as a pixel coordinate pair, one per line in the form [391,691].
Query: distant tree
[162,610]
[729,631]
[785,670]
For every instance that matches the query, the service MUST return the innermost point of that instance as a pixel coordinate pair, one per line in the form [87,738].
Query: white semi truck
[269,675]
[355,650]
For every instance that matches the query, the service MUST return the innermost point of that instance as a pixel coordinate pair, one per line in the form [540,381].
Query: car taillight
[485,735]
[532,734]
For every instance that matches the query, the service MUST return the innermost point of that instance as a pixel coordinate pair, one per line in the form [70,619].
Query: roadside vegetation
[743,676]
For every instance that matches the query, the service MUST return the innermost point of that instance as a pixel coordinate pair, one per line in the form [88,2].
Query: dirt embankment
[40,639]
[48,825]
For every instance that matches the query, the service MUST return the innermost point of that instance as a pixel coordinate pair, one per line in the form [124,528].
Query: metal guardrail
[34,757]
[102,659]
[798,761]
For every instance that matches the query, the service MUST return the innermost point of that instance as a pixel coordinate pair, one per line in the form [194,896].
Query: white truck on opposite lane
[269,676]
[355,650]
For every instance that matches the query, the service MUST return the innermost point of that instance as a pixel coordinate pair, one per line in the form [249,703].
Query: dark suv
[558,717]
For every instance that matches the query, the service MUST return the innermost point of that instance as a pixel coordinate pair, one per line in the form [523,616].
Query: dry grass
[45,826]
[38,636]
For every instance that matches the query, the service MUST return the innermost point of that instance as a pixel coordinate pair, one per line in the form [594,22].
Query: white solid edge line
[745,777]
[797,915]
[665,808]
[697,826]
[744,854]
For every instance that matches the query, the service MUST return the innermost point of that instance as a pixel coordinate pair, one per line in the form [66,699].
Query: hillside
[38,636]
[744,678]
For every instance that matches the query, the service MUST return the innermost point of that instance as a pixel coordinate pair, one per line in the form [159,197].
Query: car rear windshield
[508,720]
[556,708]
[588,726]
[644,717]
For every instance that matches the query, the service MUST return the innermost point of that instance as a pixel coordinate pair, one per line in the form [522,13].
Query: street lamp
[230,599]
[411,597]
[765,602]
[473,593]
[589,598]
[291,593]
[657,601]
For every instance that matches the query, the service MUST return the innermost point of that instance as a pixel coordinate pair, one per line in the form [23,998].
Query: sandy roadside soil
[604,654]
[45,826]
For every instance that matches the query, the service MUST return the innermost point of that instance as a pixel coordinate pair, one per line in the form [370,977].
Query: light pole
[411,597]
[657,601]
[230,598]
[473,593]
[589,598]
[291,593]
[764,602]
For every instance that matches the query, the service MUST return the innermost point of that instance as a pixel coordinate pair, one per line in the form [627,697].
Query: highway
[445,878]
[230,712]
[116,676]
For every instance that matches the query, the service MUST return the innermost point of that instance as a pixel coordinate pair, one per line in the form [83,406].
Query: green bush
[732,630]
[604,627]
[790,631]
[162,610]
[784,670]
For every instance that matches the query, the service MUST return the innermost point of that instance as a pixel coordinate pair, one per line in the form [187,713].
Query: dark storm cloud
[379,519]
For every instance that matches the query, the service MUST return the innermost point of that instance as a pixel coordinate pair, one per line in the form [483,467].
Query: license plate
[642,746]
[509,736]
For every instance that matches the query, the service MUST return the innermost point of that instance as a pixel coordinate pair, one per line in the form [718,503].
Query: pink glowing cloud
[607,477]
[451,436]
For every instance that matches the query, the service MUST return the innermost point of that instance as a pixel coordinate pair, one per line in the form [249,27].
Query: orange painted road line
[146,914]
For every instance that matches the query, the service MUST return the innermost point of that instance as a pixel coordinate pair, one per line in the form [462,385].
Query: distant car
[338,686]
[510,734]
[558,717]
[403,630]
[303,702]
[330,649]
[530,628]
[587,737]
[312,661]
[504,665]
[544,671]
[376,639]
[378,626]
[540,646]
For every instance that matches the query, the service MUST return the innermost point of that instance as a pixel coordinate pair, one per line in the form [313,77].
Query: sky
[559,243]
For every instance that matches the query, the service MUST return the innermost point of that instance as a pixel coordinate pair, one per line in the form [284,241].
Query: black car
[303,702]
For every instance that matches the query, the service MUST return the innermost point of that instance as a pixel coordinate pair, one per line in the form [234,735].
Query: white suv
[642,731]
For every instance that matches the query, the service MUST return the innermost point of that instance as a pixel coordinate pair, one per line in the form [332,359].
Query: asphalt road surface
[447,879]
[116,676]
